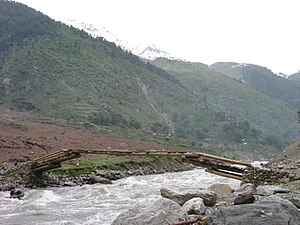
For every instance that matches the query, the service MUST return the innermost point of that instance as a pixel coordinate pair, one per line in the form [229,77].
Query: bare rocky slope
[292,152]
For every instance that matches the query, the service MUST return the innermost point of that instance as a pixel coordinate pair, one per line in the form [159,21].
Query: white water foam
[47,197]
[98,203]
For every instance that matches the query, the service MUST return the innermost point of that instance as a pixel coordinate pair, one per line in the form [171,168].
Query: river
[98,203]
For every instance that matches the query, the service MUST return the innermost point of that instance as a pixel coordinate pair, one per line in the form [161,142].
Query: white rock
[194,206]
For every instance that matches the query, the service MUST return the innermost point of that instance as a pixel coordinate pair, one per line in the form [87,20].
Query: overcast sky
[263,32]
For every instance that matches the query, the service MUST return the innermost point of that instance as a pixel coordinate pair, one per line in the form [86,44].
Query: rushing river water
[96,204]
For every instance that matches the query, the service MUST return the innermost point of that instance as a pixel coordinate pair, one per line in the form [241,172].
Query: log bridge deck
[213,164]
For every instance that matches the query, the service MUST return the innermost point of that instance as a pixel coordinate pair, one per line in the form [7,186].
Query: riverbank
[100,169]
[105,169]
[148,197]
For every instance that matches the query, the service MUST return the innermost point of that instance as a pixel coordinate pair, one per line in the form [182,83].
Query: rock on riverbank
[270,208]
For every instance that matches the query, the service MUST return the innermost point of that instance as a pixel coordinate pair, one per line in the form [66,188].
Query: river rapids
[98,203]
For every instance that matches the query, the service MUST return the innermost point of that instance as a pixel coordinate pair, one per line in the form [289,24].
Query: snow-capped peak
[282,75]
[151,52]
[100,31]
[239,65]
[145,51]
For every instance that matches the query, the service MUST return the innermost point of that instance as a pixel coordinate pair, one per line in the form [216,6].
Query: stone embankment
[277,172]
[287,165]
[258,176]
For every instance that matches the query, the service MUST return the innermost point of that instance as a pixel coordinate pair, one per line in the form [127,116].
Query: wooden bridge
[213,164]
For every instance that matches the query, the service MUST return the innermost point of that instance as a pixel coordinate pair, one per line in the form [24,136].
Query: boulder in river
[194,206]
[69,184]
[99,179]
[162,212]
[182,195]
[270,210]
[17,193]
[222,190]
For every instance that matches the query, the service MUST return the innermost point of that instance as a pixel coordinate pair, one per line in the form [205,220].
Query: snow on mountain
[239,65]
[282,75]
[95,32]
[145,51]
[151,52]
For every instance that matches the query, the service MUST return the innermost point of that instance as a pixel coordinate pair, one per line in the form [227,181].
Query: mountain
[295,77]
[59,71]
[262,79]
[55,70]
[235,97]
[145,51]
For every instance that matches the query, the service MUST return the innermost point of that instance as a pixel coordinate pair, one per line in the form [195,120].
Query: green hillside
[235,97]
[62,72]
[51,69]
[263,80]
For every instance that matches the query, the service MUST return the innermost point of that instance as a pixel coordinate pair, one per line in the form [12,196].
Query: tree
[180,132]
[200,134]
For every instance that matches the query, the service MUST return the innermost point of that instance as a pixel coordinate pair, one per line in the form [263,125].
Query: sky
[262,32]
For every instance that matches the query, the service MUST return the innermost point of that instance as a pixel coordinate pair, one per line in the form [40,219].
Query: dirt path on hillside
[24,136]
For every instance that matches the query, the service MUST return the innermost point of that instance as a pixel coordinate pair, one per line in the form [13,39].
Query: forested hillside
[58,71]
[235,97]
[263,80]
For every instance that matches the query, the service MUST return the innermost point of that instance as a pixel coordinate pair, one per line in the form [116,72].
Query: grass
[12,175]
[88,166]
[294,185]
